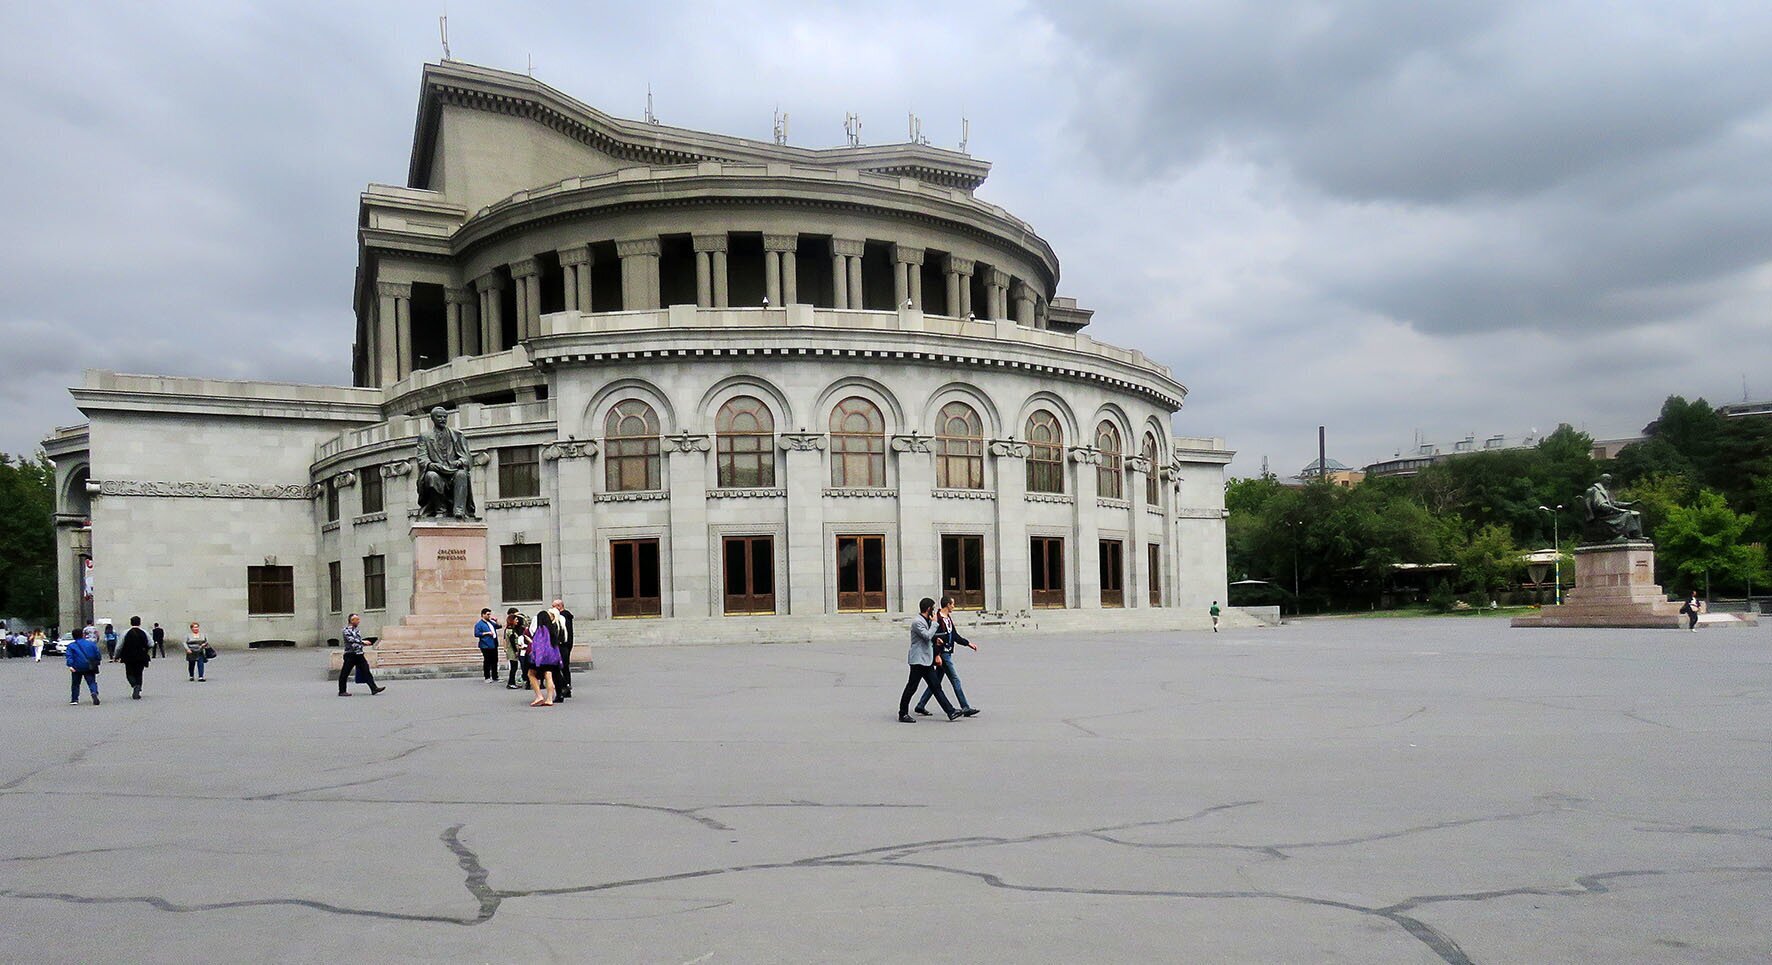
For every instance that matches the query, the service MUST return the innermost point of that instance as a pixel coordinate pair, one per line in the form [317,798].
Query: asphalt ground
[1337,790]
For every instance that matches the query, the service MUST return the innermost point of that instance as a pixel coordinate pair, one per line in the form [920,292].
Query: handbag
[208,652]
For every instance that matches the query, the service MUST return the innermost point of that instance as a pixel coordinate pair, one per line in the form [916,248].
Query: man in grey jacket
[923,660]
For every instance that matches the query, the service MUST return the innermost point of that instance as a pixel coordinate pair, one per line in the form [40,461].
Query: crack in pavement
[68,761]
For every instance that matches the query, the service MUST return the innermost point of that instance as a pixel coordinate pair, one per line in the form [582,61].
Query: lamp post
[1297,607]
[1556,544]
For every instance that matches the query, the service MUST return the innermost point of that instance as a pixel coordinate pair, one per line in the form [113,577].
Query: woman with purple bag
[544,660]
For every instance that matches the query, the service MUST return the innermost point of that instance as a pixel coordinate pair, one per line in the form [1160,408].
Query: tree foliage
[27,537]
[1704,539]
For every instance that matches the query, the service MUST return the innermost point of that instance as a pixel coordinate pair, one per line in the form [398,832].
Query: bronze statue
[1608,519]
[444,460]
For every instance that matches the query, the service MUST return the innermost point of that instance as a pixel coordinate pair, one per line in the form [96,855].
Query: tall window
[959,448]
[270,590]
[519,472]
[520,568]
[1151,490]
[331,499]
[375,582]
[631,450]
[1045,453]
[745,436]
[1110,476]
[858,444]
[335,586]
[369,483]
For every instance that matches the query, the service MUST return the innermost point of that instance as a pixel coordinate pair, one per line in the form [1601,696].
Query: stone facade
[708,380]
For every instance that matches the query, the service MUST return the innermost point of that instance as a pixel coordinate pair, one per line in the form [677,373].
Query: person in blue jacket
[486,635]
[83,661]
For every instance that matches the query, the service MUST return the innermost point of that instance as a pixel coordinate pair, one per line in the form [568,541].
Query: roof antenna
[651,118]
[532,65]
[852,129]
[965,132]
[443,30]
[781,127]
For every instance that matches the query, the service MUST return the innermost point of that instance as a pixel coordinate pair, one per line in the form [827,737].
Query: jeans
[91,677]
[194,663]
[946,670]
[489,663]
[924,675]
[516,671]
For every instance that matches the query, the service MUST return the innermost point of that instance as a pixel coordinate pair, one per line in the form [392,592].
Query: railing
[469,416]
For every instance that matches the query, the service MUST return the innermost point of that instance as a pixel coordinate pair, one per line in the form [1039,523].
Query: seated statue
[444,484]
[1608,519]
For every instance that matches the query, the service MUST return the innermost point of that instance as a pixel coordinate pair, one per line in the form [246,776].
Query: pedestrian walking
[947,637]
[135,653]
[1214,612]
[197,655]
[486,637]
[355,659]
[544,660]
[516,648]
[159,636]
[1691,608]
[37,645]
[110,640]
[923,660]
[563,641]
[83,659]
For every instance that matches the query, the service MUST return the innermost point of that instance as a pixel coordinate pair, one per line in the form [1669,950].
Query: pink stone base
[448,590]
[1614,587]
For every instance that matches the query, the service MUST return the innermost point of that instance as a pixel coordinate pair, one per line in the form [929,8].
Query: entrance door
[861,574]
[1113,573]
[633,578]
[1046,569]
[1153,570]
[750,574]
[962,570]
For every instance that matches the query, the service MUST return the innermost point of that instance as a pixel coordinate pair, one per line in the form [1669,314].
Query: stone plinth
[1614,587]
[436,637]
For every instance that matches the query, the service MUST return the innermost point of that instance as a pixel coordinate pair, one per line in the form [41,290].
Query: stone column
[575,283]
[527,276]
[1024,303]
[1170,475]
[839,281]
[790,275]
[907,277]
[686,475]
[918,565]
[959,272]
[1087,555]
[1013,590]
[707,247]
[849,271]
[492,328]
[998,282]
[457,301]
[393,319]
[778,254]
[1137,560]
[575,534]
[805,479]
[639,273]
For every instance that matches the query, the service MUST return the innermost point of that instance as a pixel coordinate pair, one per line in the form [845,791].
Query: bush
[1442,599]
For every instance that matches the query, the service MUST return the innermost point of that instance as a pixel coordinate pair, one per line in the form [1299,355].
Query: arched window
[1110,476]
[745,434]
[959,448]
[858,444]
[1045,453]
[1151,489]
[631,450]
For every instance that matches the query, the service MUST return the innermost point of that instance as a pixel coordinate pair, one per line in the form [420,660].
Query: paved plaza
[1335,790]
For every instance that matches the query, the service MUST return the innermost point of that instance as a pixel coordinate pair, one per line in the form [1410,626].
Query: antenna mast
[651,118]
[443,31]
[852,129]
[781,127]
[965,132]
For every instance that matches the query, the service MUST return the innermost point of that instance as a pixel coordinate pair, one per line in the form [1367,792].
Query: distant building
[1426,454]
[1737,410]
[1606,449]
[1337,474]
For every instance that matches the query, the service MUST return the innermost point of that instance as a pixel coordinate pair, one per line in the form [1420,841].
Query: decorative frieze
[637,246]
[801,441]
[459,296]
[857,492]
[525,267]
[848,248]
[1062,498]
[963,494]
[569,449]
[393,289]
[329,527]
[1108,502]
[781,242]
[961,266]
[641,496]
[580,255]
[708,242]
[367,518]
[906,255]
[206,490]
[748,493]
[525,502]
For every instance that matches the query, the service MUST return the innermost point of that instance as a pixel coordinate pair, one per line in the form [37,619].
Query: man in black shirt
[563,640]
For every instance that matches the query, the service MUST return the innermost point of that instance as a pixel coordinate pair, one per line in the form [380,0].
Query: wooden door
[1046,570]
[749,568]
[1113,573]
[962,570]
[1154,572]
[861,574]
[634,578]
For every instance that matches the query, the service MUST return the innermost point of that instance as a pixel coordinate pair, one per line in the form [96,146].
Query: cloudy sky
[1387,217]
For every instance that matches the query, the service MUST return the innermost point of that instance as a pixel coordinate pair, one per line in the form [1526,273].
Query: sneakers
[969,712]
[923,711]
[94,700]
[75,702]
[902,718]
[955,715]
[344,693]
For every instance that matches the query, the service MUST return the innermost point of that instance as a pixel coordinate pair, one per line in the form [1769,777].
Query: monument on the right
[1615,574]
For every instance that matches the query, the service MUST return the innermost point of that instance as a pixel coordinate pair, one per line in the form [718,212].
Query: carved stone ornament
[205,490]
[960,266]
[1011,448]
[576,256]
[781,242]
[801,441]
[480,457]
[1138,464]
[686,442]
[525,267]
[912,441]
[1086,456]
[569,449]
[748,493]
[861,492]
[393,289]
[344,480]
[399,467]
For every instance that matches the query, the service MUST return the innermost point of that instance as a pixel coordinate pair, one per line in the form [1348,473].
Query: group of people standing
[541,651]
[135,651]
[931,658]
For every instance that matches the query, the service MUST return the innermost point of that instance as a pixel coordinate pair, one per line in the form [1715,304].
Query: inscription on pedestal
[452,556]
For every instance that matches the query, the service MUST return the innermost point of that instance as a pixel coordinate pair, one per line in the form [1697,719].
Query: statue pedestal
[1614,587]
[436,638]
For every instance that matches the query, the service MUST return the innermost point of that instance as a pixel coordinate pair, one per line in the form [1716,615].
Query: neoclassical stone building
[721,387]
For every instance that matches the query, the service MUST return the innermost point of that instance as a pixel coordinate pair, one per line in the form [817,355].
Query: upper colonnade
[523,202]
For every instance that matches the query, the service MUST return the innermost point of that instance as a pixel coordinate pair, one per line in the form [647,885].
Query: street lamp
[1557,544]
[1296,603]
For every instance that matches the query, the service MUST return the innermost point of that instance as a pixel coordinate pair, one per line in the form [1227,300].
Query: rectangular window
[746,460]
[519,472]
[634,585]
[749,565]
[369,482]
[520,572]
[861,574]
[270,590]
[632,464]
[1046,570]
[331,500]
[335,587]
[375,582]
[1113,573]
[962,570]
[1154,573]
[1045,469]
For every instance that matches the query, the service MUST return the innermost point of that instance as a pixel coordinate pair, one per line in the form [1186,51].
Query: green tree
[1706,539]
[27,537]
[1488,560]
